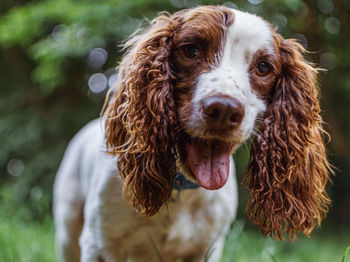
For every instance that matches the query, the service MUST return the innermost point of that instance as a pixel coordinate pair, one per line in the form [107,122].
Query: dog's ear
[141,118]
[288,168]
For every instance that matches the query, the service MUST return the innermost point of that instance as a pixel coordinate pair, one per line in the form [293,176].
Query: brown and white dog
[192,87]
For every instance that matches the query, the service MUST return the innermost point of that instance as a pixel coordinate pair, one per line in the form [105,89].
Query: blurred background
[58,59]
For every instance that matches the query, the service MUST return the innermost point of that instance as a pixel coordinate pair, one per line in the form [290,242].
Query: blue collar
[182,183]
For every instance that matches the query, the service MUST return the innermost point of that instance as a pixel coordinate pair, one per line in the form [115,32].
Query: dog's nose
[222,111]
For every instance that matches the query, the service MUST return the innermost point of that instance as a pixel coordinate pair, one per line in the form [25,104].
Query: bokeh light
[58,30]
[332,25]
[36,192]
[97,83]
[255,2]
[15,167]
[97,58]
[279,21]
[325,6]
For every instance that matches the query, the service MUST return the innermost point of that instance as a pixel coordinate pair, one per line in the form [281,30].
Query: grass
[346,253]
[33,242]
[248,246]
[24,242]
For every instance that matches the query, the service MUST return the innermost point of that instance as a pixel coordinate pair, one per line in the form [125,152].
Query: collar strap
[182,183]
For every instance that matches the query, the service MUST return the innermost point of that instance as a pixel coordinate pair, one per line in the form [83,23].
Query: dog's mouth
[207,159]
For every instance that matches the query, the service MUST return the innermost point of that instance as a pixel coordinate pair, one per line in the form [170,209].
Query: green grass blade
[346,253]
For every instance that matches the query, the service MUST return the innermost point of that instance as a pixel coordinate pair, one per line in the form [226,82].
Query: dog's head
[192,88]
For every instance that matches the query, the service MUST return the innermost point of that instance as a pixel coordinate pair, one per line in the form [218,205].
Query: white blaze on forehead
[248,34]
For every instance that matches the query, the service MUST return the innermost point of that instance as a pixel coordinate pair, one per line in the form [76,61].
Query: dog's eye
[191,51]
[263,68]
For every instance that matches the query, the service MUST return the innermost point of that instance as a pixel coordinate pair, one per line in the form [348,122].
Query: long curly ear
[141,118]
[288,169]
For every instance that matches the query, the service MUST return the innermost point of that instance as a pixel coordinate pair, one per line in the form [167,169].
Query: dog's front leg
[90,252]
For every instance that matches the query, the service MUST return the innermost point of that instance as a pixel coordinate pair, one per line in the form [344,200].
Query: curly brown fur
[141,118]
[288,168]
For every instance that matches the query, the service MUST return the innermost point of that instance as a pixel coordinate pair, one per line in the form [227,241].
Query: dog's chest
[185,227]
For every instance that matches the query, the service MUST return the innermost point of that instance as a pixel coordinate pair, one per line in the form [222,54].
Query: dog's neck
[182,183]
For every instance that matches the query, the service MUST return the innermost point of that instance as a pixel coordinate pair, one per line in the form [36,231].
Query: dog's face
[224,61]
[192,87]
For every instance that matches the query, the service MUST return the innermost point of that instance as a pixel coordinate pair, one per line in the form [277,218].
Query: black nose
[222,111]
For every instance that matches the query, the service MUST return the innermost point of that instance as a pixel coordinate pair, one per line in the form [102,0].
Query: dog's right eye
[191,51]
[263,68]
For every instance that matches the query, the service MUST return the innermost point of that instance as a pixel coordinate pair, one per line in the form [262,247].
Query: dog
[154,180]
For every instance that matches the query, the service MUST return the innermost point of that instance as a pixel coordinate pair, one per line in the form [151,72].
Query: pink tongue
[209,161]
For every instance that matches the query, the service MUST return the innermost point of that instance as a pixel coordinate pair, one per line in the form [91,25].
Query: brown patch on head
[262,83]
[204,29]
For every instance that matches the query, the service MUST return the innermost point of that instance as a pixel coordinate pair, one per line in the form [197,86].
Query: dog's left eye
[263,68]
[191,51]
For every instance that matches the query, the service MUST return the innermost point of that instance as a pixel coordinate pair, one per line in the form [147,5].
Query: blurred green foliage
[44,73]
[20,241]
